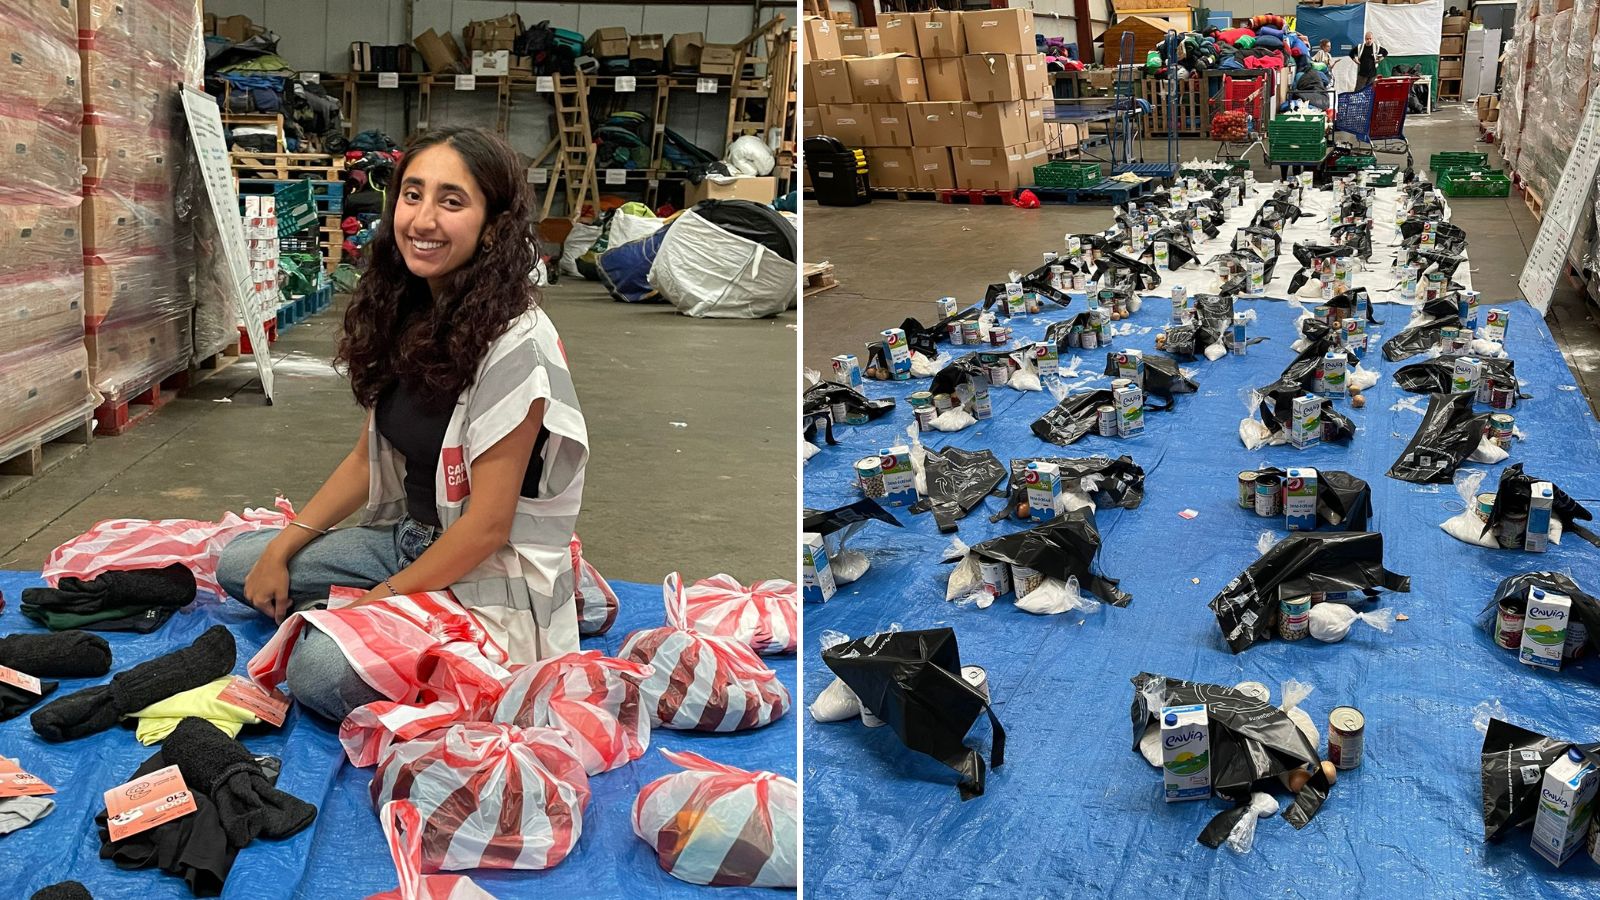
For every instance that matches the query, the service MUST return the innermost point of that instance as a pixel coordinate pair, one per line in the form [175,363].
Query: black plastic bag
[1072,418]
[1300,564]
[1127,269]
[963,370]
[1183,341]
[1117,482]
[1256,234]
[1436,261]
[1308,800]
[1423,334]
[958,480]
[1350,301]
[826,394]
[1251,740]
[1512,764]
[1448,239]
[1277,413]
[1163,379]
[1344,501]
[912,680]
[846,518]
[1357,237]
[1437,375]
[1062,548]
[1449,433]
[1309,255]
[1512,498]
[1213,314]
[1513,592]
[1179,251]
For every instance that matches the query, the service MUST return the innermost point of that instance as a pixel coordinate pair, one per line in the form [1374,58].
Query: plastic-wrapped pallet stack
[44,385]
[138,260]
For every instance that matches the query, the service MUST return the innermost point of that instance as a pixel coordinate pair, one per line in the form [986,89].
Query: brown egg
[1330,772]
[1161,342]
[1358,401]
[1296,779]
[1024,510]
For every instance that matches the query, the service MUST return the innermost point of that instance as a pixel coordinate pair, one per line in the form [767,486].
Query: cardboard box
[718,59]
[491,62]
[762,189]
[855,41]
[989,125]
[1033,76]
[999,31]
[946,79]
[649,47]
[607,42]
[828,82]
[933,168]
[115,223]
[1450,68]
[439,52]
[1452,44]
[821,39]
[1034,110]
[891,167]
[991,78]
[1454,25]
[989,168]
[39,315]
[811,121]
[941,36]
[522,65]
[489,35]
[891,125]
[897,32]
[1034,153]
[851,123]
[683,50]
[938,124]
[52,383]
[890,78]
[238,29]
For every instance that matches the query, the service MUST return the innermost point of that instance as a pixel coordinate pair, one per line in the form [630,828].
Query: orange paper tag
[146,802]
[269,706]
[16,783]
[20,680]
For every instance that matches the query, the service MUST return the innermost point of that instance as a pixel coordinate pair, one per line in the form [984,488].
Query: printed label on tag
[545,84]
[616,176]
[456,487]
[148,801]
[870,82]
[932,24]
[269,706]
[388,79]
[626,84]
[20,680]
[538,176]
[14,782]
[705,86]
[660,128]
[466,82]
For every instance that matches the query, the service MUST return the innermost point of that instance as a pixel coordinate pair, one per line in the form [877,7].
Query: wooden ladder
[762,87]
[574,141]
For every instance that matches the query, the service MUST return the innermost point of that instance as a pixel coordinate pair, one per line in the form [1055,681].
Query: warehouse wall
[315,36]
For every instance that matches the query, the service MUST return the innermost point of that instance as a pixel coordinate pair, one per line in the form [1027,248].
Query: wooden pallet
[205,368]
[287,166]
[902,193]
[114,418]
[819,278]
[1535,203]
[1106,191]
[51,449]
[977,198]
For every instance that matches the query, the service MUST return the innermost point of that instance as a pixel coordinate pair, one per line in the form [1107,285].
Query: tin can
[977,678]
[1294,618]
[1502,397]
[948,306]
[943,403]
[957,339]
[840,412]
[923,415]
[1347,733]
[1269,496]
[970,334]
[1501,429]
[1058,277]
[1577,639]
[1024,580]
[996,577]
[1090,339]
[1508,626]
[999,372]
[869,474]
[999,335]
[1247,489]
[920,398]
[1106,420]
[1255,690]
[1079,281]
[1483,505]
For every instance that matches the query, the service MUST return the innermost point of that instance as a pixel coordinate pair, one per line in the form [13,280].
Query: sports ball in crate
[720,825]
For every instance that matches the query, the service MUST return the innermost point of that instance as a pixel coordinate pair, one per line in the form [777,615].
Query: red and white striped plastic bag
[703,682]
[721,825]
[489,795]
[402,828]
[597,602]
[591,698]
[763,615]
[121,544]
[457,684]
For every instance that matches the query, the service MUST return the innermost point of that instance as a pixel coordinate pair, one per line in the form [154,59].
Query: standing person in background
[1367,54]
[1324,53]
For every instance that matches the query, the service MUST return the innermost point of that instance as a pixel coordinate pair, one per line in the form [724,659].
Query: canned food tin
[869,474]
[1347,733]
[999,335]
[1502,429]
[924,417]
[1255,690]
[977,678]
[1120,383]
[1294,618]
[996,577]
[999,372]
[1508,626]
[969,333]
[1269,496]
[943,403]
[1247,490]
[1577,640]
[1090,340]
[1079,279]
[1483,504]
[957,339]
[1024,580]
[920,398]
[1106,420]
[840,411]
[1502,397]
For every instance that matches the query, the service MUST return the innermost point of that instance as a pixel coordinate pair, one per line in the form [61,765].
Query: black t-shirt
[415,423]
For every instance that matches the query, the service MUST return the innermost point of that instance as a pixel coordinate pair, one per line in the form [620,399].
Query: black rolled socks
[62,654]
[224,770]
[66,890]
[95,709]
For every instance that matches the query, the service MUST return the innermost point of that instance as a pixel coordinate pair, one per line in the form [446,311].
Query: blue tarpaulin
[1075,811]
[343,854]
[1343,25]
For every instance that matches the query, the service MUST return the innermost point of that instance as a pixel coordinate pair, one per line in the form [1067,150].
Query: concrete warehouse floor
[691,428]
[892,259]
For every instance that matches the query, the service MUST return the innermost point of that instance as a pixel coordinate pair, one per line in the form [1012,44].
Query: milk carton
[1047,358]
[1130,365]
[1566,801]
[1044,490]
[899,481]
[897,354]
[1186,752]
[1541,497]
[1544,628]
[1300,498]
[1494,325]
[817,575]
[1016,305]
[847,370]
[1129,402]
[1466,375]
[1305,429]
[948,306]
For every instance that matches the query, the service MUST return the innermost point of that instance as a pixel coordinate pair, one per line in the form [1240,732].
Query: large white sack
[708,272]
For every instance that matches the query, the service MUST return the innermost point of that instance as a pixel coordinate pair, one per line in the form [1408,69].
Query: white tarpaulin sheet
[1408,30]
[711,273]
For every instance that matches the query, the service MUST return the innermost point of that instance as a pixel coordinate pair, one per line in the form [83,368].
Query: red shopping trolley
[1240,112]
[1376,114]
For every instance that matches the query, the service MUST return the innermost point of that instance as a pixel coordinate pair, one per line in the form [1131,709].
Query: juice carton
[899,481]
[1540,499]
[1300,498]
[1044,490]
[1544,628]
[1306,428]
[818,581]
[1186,752]
[1129,402]
[1566,801]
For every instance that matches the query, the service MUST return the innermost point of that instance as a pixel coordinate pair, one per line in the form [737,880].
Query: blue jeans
[318,675]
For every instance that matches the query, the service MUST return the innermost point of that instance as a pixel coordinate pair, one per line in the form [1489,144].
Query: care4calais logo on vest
[456,487]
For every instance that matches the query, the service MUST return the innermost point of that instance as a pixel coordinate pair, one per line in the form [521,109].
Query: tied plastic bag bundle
[1512,593]
[1090,481]
[1026,377]
[957,481]
[1072,418]
[1437,375]
[1276,406]
[595,701]
[762,616]
[721,825]
[1466,526]
[1512,764]
[837,526]
[402,830]
[455,684]
[1422,333]
[490,796]
[925,365]
[955,374]
[1315,255]
[837,702]
[1063,548]
[1053,597]
[597,602]
[1330,622]
[1450,432]
[704,683]
[912,681]
[1512,500]
[954,419]
[1163,379]
[1302,563]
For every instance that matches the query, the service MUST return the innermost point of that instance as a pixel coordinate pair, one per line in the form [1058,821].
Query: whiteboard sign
[626,84]
[705,86]
[388,79]
[616,176]
[466,82]
[538,176]
[1563,214]
[205,128]
[545,84]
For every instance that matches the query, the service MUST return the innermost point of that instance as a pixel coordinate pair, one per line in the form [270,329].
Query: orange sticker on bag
[269,706]
[20,680]
[147,801]
[14,782]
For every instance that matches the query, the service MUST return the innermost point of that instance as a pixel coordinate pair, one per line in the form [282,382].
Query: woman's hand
[267,586]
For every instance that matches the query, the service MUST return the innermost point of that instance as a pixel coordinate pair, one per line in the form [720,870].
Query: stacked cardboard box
[138,255]
[953,100]
[44,383]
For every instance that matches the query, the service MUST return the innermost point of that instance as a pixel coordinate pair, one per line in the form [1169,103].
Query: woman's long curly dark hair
[395,326]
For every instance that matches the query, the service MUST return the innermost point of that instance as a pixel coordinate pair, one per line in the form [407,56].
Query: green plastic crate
[1355,163]
[297,207]
[1460,169]
[1064,174]
[1475,184]
[1296,152]
[1457,158]
[1383,176]
[1297,129]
